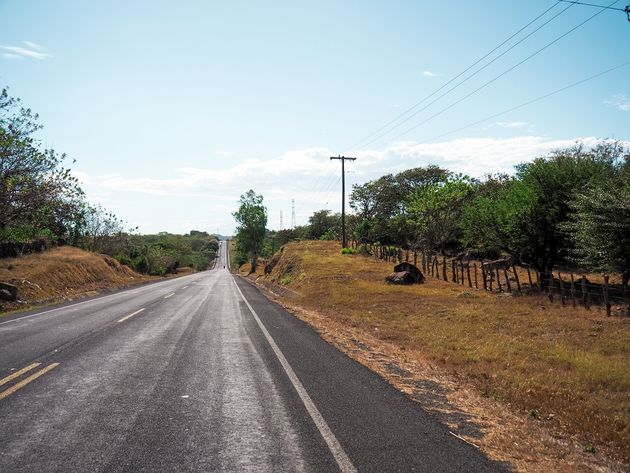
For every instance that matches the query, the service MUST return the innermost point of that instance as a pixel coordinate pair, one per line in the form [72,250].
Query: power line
[502,74]
[596,6]
[470,76]
[417,104]
[529,102]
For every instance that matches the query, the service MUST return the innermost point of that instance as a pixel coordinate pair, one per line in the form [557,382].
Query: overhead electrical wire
[625,10]
[486,84]
[453,79]
[470,76]
[529,102]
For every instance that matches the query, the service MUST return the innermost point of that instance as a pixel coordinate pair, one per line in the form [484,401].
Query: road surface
[201,373]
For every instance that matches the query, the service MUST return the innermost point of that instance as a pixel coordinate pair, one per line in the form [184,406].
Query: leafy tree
[250,232]
[433,212]
[325,223]
[38,196]
[599,227]
[379,204]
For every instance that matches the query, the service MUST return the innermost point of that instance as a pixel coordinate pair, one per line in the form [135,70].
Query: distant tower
[292,213]
[281,220]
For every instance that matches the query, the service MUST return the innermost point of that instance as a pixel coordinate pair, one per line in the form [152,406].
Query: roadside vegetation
[42,206]
[563,368]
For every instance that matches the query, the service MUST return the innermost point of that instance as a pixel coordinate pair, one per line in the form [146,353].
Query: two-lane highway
[201,373]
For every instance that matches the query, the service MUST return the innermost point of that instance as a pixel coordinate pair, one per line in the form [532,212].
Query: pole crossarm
[343,159]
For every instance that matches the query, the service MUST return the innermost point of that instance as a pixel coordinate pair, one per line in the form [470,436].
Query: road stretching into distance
[202,373]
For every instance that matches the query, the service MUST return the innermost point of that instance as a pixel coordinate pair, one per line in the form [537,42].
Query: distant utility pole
[343,159]
[281,220]
[292,213]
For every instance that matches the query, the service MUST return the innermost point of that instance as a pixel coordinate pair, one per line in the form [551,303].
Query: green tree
[599,223]
[38,196]
[324,223]
[433,212]
[251,217]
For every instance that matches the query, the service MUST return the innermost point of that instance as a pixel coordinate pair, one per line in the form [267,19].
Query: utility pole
[343,159]
[281,221]
[292,213]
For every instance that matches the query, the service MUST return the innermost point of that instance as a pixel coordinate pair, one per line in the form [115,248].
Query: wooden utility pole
[343,159]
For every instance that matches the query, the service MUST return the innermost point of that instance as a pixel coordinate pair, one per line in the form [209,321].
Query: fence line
[504,278]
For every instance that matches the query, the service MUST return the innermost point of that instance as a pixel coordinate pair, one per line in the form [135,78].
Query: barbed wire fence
[503,276]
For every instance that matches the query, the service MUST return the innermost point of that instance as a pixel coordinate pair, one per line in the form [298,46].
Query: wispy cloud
[430,74]
[29,50]
[620,102]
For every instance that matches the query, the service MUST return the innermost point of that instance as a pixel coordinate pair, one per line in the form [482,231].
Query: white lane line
[130,315]
[69,306]
[343,461]
[169,295]
[184,287]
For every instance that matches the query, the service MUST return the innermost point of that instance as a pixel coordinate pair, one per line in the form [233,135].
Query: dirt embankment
[62,274]
[542,386]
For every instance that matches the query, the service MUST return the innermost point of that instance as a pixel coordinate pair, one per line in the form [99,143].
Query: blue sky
[174,109]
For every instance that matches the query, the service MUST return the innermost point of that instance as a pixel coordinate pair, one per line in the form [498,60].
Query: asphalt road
[201,373]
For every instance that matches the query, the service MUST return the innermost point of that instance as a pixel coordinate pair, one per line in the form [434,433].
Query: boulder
[418,277]
[8,292]
[401,277]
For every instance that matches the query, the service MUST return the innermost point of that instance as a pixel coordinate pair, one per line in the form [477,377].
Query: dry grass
[555,373]
[63,274]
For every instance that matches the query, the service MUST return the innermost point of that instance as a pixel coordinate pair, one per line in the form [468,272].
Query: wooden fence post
[468,274]
[462,268]
[518,281]
[407,256]
[507,280]
[453,272]
[561,287]
[499,280]
[444,275]
[476,282]
[585,298]
[484,277]
[491,272]
[605,291]
[538,283]
[415,259]
[551,287]
[573,291]
[529,276]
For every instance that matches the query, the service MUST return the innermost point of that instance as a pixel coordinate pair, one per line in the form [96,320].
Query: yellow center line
[18,373]
[24,382]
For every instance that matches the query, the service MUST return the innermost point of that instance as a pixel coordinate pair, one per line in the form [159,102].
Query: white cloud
[307,175]
[620,102]
[430,74]
[29,50]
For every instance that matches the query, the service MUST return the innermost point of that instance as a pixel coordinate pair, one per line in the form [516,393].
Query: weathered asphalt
[193,383]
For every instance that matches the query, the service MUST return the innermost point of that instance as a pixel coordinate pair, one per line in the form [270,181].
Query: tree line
[569,207]
[43,205]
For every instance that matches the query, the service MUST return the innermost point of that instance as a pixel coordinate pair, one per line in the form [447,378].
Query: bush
[348,251]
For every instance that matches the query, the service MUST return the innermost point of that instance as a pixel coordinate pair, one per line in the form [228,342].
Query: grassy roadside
[63,274]
[558,369]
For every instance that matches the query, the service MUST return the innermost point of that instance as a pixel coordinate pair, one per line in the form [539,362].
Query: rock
[400,277]
[412,269]
[8,292]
